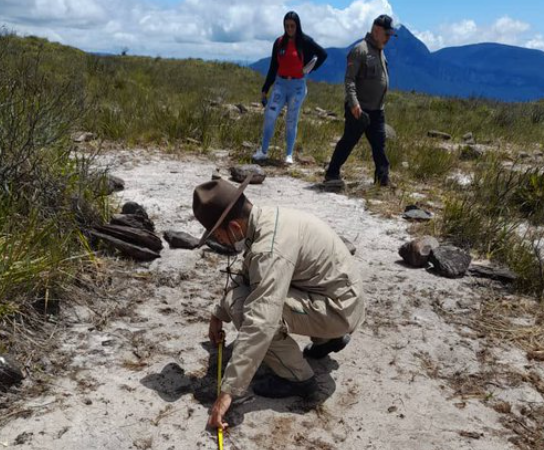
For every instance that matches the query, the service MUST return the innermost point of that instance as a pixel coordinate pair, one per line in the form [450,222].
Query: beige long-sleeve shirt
[287,248]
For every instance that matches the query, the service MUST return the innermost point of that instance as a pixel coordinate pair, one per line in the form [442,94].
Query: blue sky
[244,30]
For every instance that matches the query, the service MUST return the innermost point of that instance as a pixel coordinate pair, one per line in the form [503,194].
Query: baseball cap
[386,22]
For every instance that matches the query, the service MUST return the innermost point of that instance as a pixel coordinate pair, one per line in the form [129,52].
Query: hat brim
[237,195]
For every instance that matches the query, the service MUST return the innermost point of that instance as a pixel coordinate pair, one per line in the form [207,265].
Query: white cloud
[504,30]
[237,29]
[431,40]
[233,29]
[536,43]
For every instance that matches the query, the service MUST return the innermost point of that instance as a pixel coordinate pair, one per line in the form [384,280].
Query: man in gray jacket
[297,277]
[366,84]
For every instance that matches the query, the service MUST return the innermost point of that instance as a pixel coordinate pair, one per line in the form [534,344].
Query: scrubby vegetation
[48,194]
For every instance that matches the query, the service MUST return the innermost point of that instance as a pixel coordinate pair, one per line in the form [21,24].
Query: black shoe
[277,387]
[336,178]
[320,351]
[333,181]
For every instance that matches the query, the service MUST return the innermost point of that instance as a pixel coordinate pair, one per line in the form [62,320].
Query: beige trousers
[303,313]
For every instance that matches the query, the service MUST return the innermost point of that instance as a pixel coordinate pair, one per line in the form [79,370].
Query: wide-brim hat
[212,201]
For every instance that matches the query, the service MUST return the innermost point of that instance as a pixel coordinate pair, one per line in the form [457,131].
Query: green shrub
[48,192]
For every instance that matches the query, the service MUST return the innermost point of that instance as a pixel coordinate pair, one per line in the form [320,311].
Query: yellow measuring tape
[219,363]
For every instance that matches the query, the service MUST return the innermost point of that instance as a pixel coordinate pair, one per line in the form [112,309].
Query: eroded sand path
[144,377]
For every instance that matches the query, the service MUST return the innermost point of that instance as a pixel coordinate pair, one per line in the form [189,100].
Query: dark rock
[216,175]
[107,184]
[239,173]
[416,253]
[133,220]
[449,261]
[242,108]
[413,212]
[23,438]
[535,355]
[136,236]
[352,249]
[127,249]
[468,137]
[49,307]
[134,208]
[179,239]
[10,372]
[219,248]
[472,151]
[114,184]
[502,274]
[439,134]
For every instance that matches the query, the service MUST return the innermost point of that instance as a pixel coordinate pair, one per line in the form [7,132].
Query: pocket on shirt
[372,68]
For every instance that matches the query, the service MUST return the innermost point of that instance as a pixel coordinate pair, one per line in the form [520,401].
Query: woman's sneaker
[289,159]
[259,156]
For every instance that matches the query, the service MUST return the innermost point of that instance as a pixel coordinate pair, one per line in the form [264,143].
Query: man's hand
[356,111]
[219,409]
[216,333]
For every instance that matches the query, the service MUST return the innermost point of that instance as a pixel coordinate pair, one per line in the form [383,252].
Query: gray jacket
[366,79]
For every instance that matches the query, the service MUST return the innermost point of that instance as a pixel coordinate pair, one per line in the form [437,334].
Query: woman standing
[294,55]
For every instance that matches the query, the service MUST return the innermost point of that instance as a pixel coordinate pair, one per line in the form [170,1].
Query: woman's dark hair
[299,35]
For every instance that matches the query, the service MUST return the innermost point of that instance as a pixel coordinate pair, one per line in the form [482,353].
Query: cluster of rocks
[448,261]
[468,147]
[445,260]
[132,233]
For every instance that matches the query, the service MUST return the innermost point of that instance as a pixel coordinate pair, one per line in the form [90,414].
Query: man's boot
[274,386]
[318,351]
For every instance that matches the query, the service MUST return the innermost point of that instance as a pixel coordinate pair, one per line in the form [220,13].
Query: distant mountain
[493,71]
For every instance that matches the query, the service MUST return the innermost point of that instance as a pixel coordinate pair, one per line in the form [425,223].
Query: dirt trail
[145,377]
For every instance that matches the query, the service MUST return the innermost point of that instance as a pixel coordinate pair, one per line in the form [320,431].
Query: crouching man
[298,277]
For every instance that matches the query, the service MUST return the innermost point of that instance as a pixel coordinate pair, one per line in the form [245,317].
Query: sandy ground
[141,375]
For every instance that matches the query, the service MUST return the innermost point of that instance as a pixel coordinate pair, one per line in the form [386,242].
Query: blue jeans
[292,93]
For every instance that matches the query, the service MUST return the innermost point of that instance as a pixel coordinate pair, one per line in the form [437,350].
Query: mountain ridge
[489,70]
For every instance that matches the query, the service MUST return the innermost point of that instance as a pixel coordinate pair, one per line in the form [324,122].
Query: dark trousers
[353,130]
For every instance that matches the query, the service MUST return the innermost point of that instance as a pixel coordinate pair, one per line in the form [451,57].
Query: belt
[291,78]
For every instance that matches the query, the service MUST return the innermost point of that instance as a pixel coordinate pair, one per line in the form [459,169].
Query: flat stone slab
[502,274]
[180,239]
[239,173]
[413,212]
